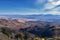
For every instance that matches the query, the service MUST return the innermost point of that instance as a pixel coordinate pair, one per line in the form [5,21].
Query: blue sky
[29,7]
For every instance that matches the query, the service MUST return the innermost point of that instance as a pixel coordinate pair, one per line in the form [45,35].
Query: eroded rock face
[13,23]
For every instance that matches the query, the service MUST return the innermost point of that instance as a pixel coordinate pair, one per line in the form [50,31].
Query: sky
[29,7]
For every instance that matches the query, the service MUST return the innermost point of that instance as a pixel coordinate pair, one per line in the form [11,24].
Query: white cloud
[52,3]
[51,7]
[53,12]
[55,2]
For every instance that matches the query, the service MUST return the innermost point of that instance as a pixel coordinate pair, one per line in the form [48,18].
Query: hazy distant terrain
[36,25]
[41,17]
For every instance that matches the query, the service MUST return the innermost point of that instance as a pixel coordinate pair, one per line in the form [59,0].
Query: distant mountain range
[41,16]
